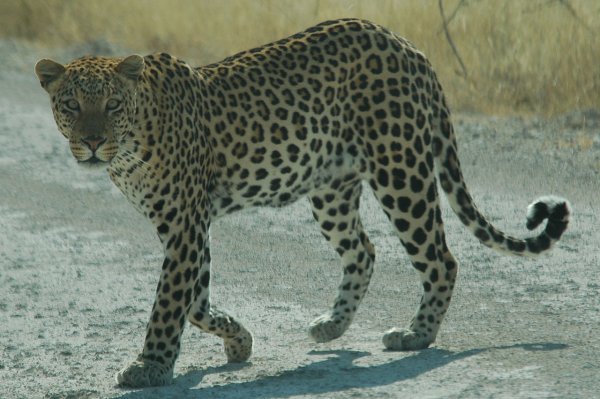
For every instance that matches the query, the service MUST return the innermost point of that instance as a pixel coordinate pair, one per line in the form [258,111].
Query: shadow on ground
[334,374]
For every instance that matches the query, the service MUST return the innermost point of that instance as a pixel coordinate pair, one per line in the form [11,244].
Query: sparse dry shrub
[534,56]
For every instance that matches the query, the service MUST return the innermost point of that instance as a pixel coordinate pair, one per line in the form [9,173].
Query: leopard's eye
[113,104]
[72,105]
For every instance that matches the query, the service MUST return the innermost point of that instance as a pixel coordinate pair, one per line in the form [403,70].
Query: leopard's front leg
[237,341]
[174,295]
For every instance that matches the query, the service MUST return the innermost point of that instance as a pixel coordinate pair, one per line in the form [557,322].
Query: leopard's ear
[48,71]
[131,67]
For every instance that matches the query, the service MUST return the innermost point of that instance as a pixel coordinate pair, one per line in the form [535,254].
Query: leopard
[320,114]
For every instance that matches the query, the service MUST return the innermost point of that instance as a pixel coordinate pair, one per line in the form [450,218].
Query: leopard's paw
[239,348]
[144,373]
[401,339]
[326,328]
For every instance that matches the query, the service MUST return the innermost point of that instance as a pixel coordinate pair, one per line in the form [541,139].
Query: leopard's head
[94,102]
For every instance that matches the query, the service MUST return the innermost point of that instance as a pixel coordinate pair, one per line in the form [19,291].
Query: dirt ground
[79,266]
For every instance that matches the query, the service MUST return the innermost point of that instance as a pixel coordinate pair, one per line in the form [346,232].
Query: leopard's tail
[555,210]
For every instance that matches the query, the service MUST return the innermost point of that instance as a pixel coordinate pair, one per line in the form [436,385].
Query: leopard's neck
[168,132]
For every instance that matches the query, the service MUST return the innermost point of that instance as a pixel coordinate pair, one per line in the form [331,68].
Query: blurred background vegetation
[520,56]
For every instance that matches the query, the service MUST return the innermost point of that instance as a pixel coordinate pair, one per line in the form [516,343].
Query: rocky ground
[78,269]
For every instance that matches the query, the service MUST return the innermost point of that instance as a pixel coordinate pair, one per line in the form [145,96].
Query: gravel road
[78,270]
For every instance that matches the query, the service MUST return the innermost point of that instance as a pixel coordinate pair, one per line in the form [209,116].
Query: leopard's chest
[139,181]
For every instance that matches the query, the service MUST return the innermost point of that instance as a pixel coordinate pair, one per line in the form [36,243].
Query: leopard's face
[93,102]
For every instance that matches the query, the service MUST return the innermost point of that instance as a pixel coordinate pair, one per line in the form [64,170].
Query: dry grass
[533,56]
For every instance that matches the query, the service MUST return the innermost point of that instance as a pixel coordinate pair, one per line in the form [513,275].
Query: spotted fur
[310,115]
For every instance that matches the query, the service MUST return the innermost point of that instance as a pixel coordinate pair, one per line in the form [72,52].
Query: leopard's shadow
[333,374]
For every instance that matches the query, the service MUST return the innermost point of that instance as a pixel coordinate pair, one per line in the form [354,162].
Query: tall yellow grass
[522,56]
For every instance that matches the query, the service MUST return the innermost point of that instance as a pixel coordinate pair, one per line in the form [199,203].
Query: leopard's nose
[93,142]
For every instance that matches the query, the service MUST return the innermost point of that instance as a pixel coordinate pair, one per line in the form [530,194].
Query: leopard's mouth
[93,160]
[92,155]
[93,163]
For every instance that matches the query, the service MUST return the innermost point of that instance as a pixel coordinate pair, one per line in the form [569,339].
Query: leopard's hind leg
[336,209]
[415,213]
